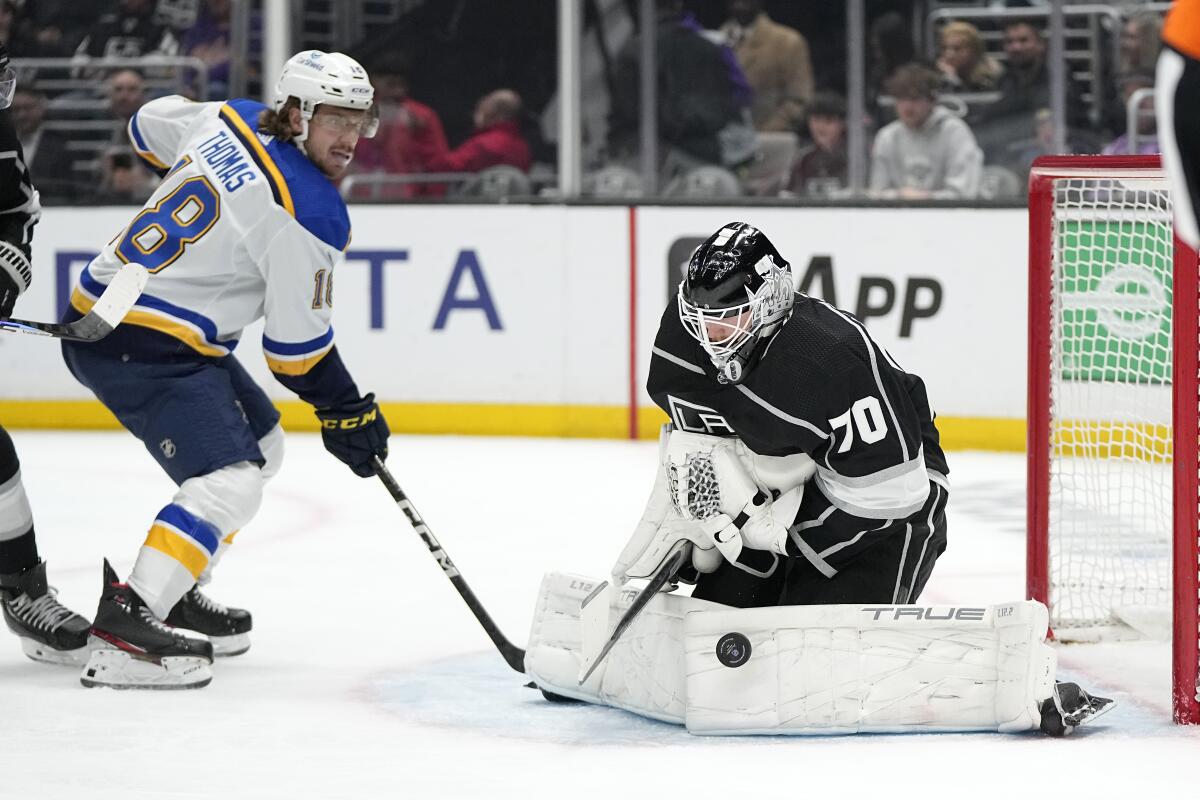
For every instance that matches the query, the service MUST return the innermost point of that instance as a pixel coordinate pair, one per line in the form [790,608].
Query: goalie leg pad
[644,673]
[857,669]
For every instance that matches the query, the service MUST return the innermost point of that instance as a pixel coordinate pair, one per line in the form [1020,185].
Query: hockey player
[49,631]
[1177,101]
[803,469]
[246,224]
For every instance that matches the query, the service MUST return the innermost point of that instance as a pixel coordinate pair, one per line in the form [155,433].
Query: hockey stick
[106,314]
[512,654]
[594,608]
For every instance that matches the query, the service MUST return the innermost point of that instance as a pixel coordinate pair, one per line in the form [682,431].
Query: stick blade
[122,292]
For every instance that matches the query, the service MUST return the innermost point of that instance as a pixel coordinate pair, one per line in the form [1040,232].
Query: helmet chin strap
[301,139]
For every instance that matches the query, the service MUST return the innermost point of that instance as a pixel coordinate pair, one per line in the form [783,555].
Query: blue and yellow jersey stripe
[249,139]
[142,149]
[193,329]
[286,358]
[181,535]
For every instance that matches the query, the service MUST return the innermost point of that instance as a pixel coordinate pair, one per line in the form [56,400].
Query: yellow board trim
[193,557]
[147,319]
[273,174]
[492,419]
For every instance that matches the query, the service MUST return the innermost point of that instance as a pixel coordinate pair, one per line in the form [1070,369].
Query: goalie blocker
[831,669]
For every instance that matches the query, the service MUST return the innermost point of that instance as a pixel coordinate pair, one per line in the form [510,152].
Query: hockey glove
[15,275]
[355,433]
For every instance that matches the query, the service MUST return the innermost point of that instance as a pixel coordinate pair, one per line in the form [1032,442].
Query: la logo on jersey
[695,418]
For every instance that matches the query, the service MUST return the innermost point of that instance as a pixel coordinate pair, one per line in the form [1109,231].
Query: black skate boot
[49,631]
[1069,708]
[227,628]
[133,649]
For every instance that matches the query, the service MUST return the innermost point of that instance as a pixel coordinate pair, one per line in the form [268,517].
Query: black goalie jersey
[823,387]
[19,209]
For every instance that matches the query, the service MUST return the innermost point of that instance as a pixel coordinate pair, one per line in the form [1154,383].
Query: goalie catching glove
[704,493]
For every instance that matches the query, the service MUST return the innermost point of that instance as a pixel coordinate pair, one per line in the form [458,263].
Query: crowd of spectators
[738,95]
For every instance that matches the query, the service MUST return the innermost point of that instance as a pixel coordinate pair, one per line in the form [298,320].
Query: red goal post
[1113,514]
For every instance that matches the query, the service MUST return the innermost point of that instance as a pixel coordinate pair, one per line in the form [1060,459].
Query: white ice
[369,678]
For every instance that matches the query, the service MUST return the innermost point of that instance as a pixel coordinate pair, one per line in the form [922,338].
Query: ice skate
[49,631]
[133,649]
[1071,707]
[227,628]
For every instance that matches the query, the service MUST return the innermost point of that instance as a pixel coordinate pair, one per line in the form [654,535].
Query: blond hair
[983,71]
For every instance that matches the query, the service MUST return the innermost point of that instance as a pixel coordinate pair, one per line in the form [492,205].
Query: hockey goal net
[1113,509]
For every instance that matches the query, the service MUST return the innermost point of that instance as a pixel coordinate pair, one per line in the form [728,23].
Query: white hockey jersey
[243,226]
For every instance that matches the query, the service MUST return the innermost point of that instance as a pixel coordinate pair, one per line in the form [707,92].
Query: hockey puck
[733,650]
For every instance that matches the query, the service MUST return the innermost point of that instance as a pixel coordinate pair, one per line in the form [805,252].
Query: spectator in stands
[208,40]
[1024,88]
[122,180]
[964,62]
[701,97]
[1147,138]
[820,168]
[497,139]
[776,63]
[409,132]
[126,92]
[927,152]
[1141,41]
[50,162]
[129,31]
[35,29]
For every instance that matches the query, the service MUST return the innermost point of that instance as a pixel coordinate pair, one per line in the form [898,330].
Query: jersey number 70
[158,235]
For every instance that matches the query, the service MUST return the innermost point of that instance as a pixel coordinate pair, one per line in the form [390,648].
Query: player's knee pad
[9,464]
[271,446]
[228,498]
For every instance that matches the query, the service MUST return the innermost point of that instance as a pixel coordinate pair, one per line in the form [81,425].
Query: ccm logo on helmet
[896,613]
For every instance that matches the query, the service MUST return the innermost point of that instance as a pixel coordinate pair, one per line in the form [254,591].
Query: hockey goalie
[802,490]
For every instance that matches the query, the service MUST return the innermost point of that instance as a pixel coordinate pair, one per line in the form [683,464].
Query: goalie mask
[737,292]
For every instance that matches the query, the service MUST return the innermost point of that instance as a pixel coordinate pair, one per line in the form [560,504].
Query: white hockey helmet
[336,79]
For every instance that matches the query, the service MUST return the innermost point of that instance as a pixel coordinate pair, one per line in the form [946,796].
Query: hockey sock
[19,554]
[18,547]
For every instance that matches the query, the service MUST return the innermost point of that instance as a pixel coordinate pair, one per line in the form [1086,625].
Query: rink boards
[538,320]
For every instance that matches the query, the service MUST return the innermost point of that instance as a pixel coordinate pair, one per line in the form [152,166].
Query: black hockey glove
[354,433]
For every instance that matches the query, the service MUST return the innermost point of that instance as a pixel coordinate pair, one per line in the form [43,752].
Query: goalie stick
[594,608]
[512,654]
[106,314]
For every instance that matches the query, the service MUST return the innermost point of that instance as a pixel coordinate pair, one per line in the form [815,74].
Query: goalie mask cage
[1113,511]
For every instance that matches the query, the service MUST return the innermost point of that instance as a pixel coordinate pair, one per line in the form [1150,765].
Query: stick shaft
[513,655]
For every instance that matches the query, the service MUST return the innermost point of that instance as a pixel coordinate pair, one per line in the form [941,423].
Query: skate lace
[154,622]
[45,612]
[207,603]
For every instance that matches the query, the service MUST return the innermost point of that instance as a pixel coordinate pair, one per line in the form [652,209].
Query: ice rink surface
[368,677]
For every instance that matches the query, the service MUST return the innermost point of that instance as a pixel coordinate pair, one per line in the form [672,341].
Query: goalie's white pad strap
[14,262]
[856,669]
[644,672]
[804,669]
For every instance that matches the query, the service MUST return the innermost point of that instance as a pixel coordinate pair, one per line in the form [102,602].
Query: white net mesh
[1110,413]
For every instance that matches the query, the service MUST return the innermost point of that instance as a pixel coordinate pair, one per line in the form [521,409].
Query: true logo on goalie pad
[695,418]
[733,650]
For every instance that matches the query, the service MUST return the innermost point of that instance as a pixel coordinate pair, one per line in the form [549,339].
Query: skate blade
[117,669]
[46,654]
[226,646]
